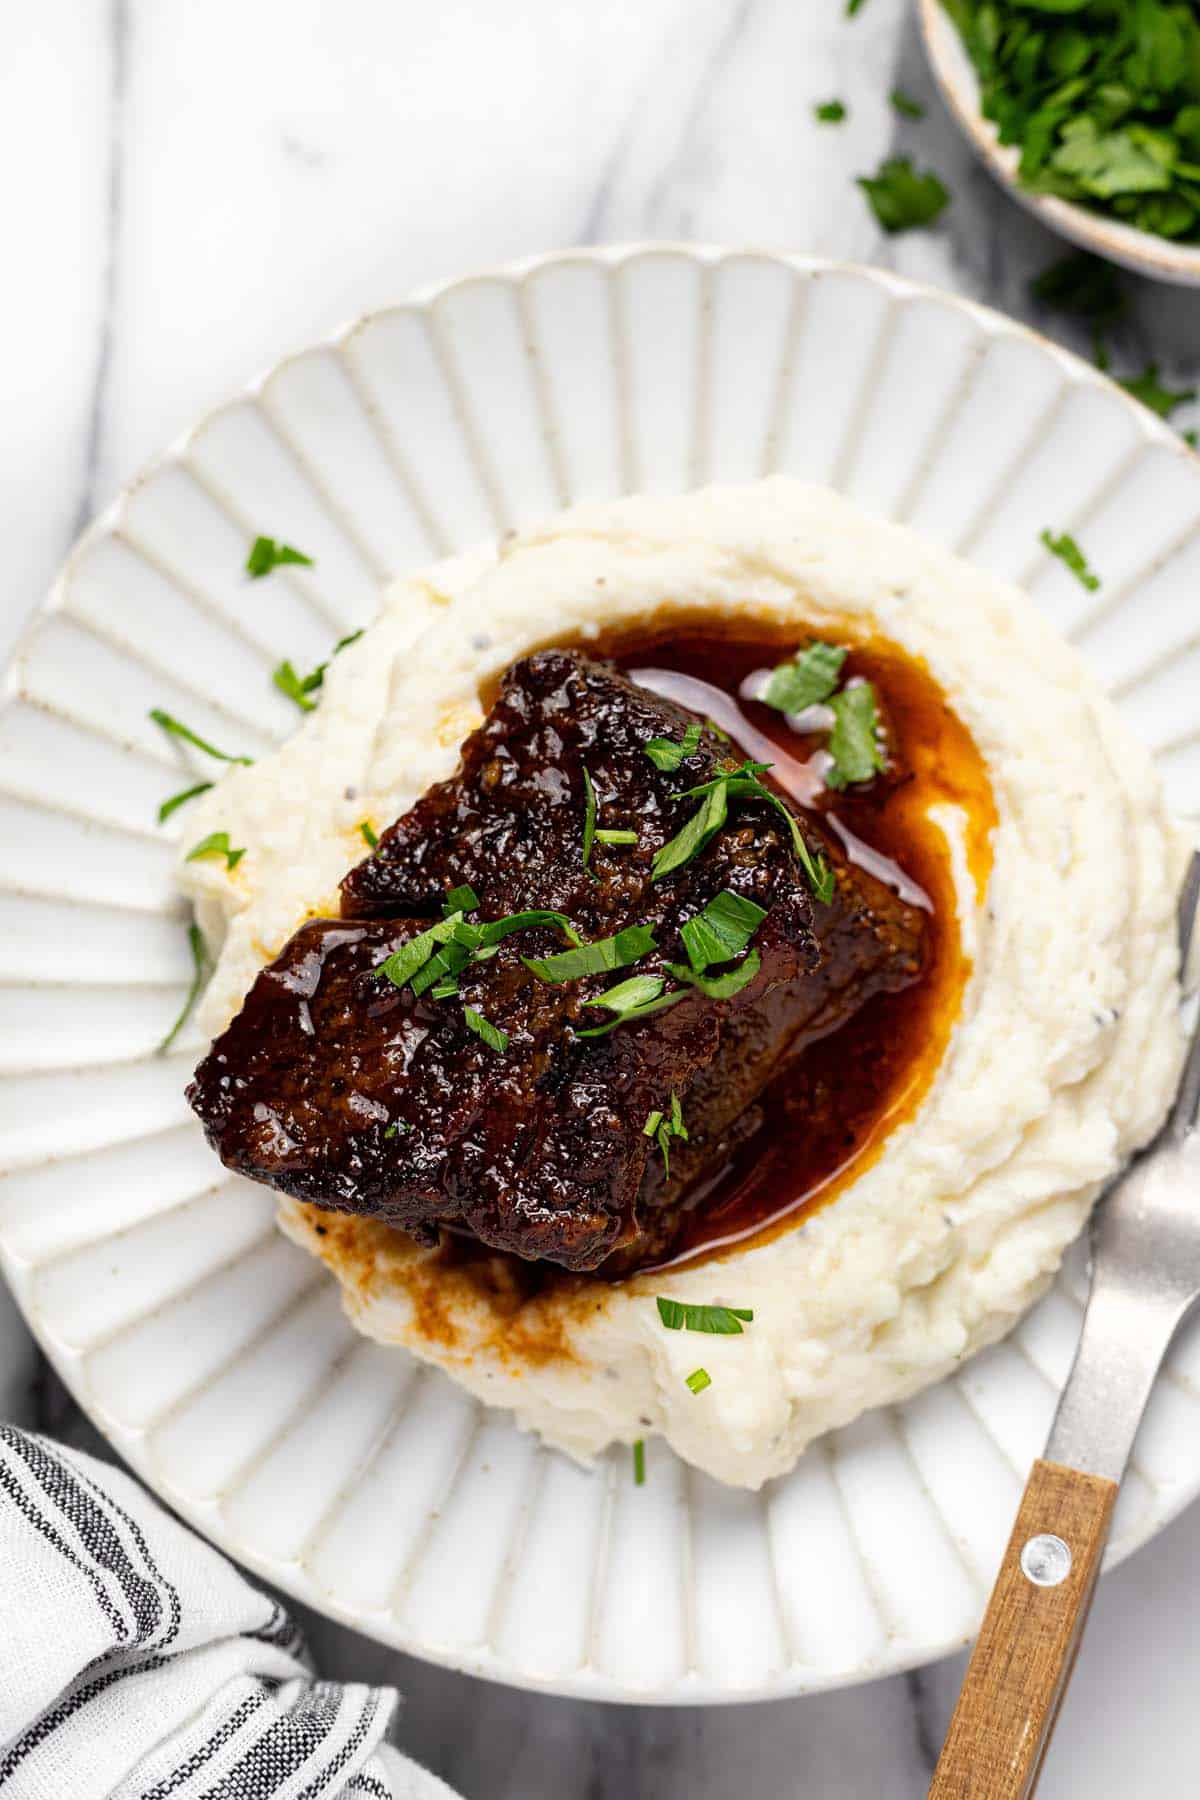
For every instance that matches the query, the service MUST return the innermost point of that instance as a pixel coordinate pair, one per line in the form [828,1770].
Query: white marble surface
[191,190]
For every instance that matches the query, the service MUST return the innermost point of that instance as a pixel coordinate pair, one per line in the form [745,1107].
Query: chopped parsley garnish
[174,728]
[1147,388]
[594,959]
[854,741]
[720,1321]
[299,687]
[1071,556]
[616,837]
[1100,97]
[905,105]
[266,554]
[807,680]
[444,967]
[199,958]
[719,987]
[1190,437]
[703,825]
[902,199]
[403,964]
[636,991]
[589,821]
[216,844]
[368,833]
[1083,285]
[738,784]
[395,1128]
[629,1013]
[483,1028]
[438,955]
[853,6]
[178,800]
[667,756]
[829,112]
[721,931]
[698,1380]
[639,1462]
[663,1129]
[497,929]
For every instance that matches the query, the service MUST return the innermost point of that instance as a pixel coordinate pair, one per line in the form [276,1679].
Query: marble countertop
[192,190]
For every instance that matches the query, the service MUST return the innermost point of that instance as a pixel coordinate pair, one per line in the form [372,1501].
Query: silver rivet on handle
[1046,1560]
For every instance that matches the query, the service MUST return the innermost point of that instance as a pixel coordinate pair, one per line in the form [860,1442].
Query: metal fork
[1145,1280]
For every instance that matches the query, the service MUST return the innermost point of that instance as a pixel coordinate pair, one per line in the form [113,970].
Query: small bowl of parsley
[1089,111]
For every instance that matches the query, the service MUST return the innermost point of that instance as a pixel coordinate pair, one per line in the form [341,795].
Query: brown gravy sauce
[828,1113]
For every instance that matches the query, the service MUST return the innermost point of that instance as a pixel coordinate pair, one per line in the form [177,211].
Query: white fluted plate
[212,1352]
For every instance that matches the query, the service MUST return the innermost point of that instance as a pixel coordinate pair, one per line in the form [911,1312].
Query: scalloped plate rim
[584,1682]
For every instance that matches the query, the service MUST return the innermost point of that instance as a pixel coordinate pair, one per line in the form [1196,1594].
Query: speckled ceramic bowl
[212,1351]
[1141,251]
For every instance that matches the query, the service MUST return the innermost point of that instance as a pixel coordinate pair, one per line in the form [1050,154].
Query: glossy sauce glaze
[828,1112]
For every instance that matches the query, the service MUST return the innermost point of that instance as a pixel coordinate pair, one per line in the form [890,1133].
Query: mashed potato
[1061,1063]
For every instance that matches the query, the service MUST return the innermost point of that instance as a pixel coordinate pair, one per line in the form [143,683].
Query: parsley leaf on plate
[174,728]
[267,554]
[666,755]
[854,741]
[492,1036]
[1068,552]
[617,952]
[809,678]
[199,952]
[721,930]
[178,800]
[829,112]
[719,987]
[216,844]
[723,1321]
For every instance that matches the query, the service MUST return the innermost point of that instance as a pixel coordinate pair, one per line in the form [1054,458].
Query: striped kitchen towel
[137,1664]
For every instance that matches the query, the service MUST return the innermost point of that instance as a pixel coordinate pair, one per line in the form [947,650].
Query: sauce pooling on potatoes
[827,1113]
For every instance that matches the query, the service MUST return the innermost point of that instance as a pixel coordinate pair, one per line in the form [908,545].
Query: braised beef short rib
[341,1089]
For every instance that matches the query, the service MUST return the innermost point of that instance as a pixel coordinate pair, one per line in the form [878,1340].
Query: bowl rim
[1141,251]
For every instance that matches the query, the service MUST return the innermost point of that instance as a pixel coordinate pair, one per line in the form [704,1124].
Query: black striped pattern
[113,1688]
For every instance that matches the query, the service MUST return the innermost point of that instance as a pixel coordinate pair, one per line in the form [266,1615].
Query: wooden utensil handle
[1026,1650]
